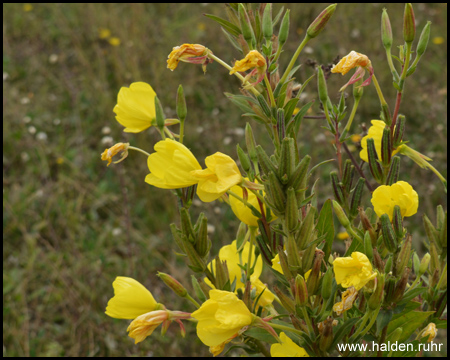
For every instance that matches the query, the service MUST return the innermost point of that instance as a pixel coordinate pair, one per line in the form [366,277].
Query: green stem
[350,120]
[391,65]
[140,150]
[294,58]
[167,131]
[189,297]
[384,105]
[181,130]
[250,250]
[308,321]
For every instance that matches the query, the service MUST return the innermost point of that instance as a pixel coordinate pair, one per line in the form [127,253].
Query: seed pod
[399,131]
[397,222]
[394,171]
[301,291]
[434,263]
[314,276]
[337,188]
[244,159]
[246,28]
[308,258]
[389,238]
[389,289]
[367,226]
[284,29]
[196,262]
[368,250]
[186,225]
[400,286]
[343,219]
[386,146]
[159,114]
[221,273]
[356,198]
[424,264]
[284,263]
[203,243]
[198,289]
[374,165]
[347,177]
[306,229]
[322,86]
[326,338]
[299,174]
[377,262]
[287,159]
[275,192]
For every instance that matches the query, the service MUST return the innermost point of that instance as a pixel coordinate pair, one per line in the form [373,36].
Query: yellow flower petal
[287,349]
[353,271]
[252,60]
[135,107]
[130,300]
[349,62]
[184,53]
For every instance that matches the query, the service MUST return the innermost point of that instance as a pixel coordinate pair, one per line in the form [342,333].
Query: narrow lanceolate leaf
[231,28]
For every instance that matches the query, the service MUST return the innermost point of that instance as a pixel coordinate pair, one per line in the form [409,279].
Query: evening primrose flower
[252,60]
[376,133]
[220,175]
[348,298]
[190,53]
[130,300]
[135,107]
[221,317]
[353,271]
[385,197]
[351,61]
[108,154]
[171,166]
[288,348]
[430,330]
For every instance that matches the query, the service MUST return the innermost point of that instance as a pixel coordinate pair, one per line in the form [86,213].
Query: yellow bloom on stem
[220,175]
[108,154]
[351,61]
[145,324]
[221,317]
[135,107]
[348,298]
[253,60]
[130,300]
[430,330]
[385,197]
[353,271]
[376,133]
[287,349]
[171,166]
[190,53]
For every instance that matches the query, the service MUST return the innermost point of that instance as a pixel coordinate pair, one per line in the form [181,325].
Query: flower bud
[343,219]
[395,335]
[376,298]
[337,188]
[291,211]
[244,159]
[308,258]
[186,225]
[250,142]
[306,229]
[172,283]
[326,338]
[181,104]
[404,255]
[327,283]
[284,29]
[423,40]
[322,87]
[159,114]
[424,264]
[409,24]
[400,286]
[301,291]
[319,23]
[287,159]
[286,301]
[284,263]
[394,171]
[386,30]
[198,290]
[246,26]
[386,146]
[299,174]
[221,274]
[196,262]
[267,22]
[275,193]
[389,238]
[368,250]
[374,165]
[356,198]
[399,131]
[203,243]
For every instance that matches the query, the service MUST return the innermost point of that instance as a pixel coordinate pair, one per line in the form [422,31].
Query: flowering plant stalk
[377,290]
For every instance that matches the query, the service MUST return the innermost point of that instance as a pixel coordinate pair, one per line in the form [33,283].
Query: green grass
[71,224]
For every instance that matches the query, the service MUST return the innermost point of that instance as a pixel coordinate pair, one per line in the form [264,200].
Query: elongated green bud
[389,238]
[347,177]
[244,159]
[301,291]
[389,289]
[374,165]
[376,298]
[287,159]
[399,131]
[322,86]
[198,289]
[250,142]
[431,231]
[388,265]
[186,225]
[343,219]
[275,192]
[386,30]
[443,232]
[394,171]
[327,283]
[291,211]
[203,243]
[368,250]
[246,28]
[314,276]
[356,198]
[181,104]
[409,24]
[286,301]
[404,255]
[221,273]
[172,283]
[306,229]
[264,161]
[319,23]
[386,146]
[240,235]
[284,263]
[299,174]
[264,106]
[267,22]
[423,40]
[159,114]
[284,29]
[178,236]
[196,261]
[308,258]
[337,188]
[424,264]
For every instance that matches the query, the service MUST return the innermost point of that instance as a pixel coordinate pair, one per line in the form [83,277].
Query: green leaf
[229,27]
[410,322]
[278,16]
[343,330]
[383,319]
[289,108]
[325,226]
[409,295]
[241,101]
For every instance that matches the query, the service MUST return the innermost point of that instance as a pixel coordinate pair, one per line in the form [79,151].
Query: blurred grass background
[71,225]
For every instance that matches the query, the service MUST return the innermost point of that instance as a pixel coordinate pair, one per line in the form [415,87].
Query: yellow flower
[135,107]
[27,7]
[355,138]
[349,62]
[353,271]
[252,60]
[108,154]
[230,254]
[438,40]
[385,197]
[348,298]
[343,235]
[171,166]
[221,317]
[104,33]
[114,41]
[376,133]
[145,324]
[220,175]
[191,53]
[130,300]
[429,330]
[277,266]
[287,349]
[242,211]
